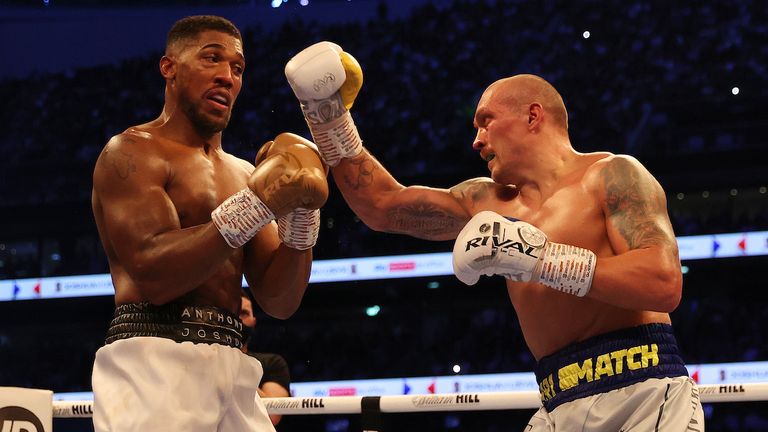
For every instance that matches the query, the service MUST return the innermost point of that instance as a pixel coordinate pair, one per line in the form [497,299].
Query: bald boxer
[582,240]
[182,221]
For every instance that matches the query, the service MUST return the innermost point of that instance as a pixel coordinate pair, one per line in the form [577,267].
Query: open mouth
[220,100]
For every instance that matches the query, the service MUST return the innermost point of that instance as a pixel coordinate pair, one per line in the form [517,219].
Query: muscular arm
[385,205]
[141,226]
[645,272]
[277,275]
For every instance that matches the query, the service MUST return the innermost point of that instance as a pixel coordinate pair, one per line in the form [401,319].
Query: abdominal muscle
[551,320]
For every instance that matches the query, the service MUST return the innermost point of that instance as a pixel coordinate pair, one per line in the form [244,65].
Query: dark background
[653,80]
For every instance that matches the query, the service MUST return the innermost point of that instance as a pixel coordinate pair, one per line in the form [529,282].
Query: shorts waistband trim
[608,362]
[178,322]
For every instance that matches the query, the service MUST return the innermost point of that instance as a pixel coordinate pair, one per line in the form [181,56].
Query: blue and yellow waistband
[607,362]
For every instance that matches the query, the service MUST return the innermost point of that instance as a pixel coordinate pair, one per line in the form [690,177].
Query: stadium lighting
[373,310]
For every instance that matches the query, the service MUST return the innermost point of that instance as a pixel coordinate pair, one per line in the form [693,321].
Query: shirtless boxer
[181,221]
[591,267]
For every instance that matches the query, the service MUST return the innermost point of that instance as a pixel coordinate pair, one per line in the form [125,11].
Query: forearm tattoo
[424,220]
[634,205]
[363,178]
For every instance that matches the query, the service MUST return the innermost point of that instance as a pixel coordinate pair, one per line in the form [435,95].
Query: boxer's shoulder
[615,173]
[601,168]
[480,189]
[603,162]
[128,153]
[131,139]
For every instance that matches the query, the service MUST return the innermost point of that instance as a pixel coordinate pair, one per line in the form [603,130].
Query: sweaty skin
[156,184]
[607,203]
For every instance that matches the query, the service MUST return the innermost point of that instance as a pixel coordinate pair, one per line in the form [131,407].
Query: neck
[179,127]
[547,169]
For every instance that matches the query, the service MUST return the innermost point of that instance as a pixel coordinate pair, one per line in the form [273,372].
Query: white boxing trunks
[628,380]
[151,377]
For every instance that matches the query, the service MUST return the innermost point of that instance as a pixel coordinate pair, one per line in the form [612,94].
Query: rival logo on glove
[322,82]
[497,244]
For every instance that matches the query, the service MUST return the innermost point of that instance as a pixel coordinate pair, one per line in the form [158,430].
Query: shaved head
[520,91]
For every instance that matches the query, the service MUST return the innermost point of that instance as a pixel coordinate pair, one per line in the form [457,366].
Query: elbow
[377,224]
[282,312]
[378,219]
[142,268]
[278,307]
[670,288]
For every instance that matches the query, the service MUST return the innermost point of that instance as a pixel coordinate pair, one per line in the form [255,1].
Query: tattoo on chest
[634,205]
[364,175]
[424,220]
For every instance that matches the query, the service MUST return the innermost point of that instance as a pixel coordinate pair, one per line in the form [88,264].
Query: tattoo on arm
[123,164]
[121,161]
[425,220]
[473,191]
[634,205]
[364,176]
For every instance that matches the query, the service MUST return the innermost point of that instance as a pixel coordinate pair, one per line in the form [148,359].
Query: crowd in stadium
[651,80]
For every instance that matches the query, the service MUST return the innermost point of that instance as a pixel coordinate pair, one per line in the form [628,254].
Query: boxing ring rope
[709,393]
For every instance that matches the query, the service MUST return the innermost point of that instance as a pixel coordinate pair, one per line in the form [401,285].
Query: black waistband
[607,362]
[179,322]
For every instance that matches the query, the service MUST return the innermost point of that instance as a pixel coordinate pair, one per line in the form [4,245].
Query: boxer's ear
[535,115]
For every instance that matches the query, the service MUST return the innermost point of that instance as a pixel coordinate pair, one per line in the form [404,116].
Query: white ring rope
[435,402]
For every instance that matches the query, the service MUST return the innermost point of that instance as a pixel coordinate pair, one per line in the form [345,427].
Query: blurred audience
[652,79]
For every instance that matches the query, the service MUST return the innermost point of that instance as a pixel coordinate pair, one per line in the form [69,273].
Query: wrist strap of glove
[300,228]
[567,268]
[240,217]
[337,139]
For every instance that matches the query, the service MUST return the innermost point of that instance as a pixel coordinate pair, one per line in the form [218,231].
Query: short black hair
[189,27]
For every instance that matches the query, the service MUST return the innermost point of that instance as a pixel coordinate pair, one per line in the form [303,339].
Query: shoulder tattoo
[120,160]
[472,190]
[634,205]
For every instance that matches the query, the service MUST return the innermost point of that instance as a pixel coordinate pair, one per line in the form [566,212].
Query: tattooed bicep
[635,204]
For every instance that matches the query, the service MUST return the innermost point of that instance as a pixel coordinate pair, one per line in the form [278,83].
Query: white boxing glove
[316,72]
[491,244]
[326,81]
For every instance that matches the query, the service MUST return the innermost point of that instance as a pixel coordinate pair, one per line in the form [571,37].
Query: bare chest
[570,216]
[199,184]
